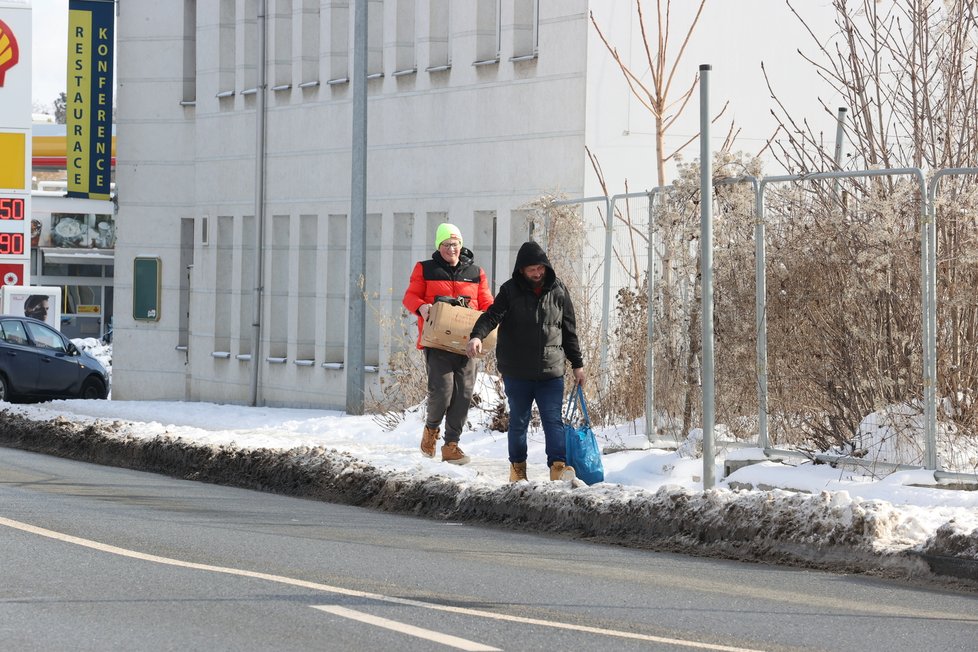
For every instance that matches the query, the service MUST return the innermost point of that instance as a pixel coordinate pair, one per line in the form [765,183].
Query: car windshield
[45,337]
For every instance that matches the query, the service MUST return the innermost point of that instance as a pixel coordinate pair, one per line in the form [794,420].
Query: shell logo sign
[9,54]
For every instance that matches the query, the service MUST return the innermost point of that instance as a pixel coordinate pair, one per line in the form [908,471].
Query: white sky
[50,38]
[905,516]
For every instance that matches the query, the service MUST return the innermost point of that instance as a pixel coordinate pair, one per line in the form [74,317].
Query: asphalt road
[100,558]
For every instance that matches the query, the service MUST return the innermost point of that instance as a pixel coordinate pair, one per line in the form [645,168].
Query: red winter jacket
[434,277]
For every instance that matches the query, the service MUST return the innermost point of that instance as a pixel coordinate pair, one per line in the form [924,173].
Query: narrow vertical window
[282,45]
[525,29]
[487,31]
[484,244]
[249,54]
[280,282]
[308,314]
[189,52]
[371,340]
[375,39]
[402,259]
[246,285]
[339,41]
[439,35]
[222,283]
[186,264]
[309,47]
[520,229]
[226,58]
[337,283]
[404,38]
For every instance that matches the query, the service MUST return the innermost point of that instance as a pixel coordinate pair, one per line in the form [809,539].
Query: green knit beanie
[446,231]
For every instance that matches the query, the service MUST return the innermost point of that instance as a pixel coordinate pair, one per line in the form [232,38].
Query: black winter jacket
[535,333]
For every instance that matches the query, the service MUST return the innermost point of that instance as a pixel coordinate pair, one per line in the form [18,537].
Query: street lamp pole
[356,326]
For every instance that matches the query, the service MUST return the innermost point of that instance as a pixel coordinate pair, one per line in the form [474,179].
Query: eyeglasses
[451,245]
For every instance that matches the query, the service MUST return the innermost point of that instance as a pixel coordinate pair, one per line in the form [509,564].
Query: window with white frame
[282,45]
[339,41]
[226,56]
[375,39]
[487,31]
[249,56]
[189,52]
[526,21]
[439,35]
[405,59]
[309,43]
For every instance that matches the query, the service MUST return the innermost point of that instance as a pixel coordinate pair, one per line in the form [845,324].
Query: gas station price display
[12,213]
[12,208]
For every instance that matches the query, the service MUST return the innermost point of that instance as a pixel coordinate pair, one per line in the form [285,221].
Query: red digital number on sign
[11,244]
[11,208]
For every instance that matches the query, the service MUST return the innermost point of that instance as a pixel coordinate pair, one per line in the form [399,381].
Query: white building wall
[461,144]
[157,165]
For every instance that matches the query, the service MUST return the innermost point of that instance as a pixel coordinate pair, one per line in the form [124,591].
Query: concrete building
[476,107]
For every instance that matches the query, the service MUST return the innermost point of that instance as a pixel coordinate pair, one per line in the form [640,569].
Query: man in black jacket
[537,332]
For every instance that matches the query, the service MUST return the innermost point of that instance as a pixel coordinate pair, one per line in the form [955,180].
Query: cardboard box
[448,328]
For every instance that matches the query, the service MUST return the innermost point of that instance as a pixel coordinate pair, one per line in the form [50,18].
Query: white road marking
[427,634]
[315,586]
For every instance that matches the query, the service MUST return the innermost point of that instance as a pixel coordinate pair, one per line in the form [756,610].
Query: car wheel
[93,388]
[4,390]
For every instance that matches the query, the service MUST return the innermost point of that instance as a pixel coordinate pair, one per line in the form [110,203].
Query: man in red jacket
[450,273]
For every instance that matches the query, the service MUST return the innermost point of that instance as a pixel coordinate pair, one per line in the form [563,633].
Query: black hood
[533,254]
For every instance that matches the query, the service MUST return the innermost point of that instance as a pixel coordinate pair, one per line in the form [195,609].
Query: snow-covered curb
[774,526]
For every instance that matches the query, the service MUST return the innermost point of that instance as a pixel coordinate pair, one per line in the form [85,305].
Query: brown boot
[428,440]
[517,471]
[560,471]
[452,454]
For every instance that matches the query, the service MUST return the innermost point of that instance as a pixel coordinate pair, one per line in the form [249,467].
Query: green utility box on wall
[146,289]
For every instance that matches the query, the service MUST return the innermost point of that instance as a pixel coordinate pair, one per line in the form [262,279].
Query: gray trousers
[451,379]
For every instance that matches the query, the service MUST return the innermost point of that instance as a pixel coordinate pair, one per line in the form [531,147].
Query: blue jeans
[549,395]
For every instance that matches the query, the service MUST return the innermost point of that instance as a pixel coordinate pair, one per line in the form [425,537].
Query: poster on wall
[40,302]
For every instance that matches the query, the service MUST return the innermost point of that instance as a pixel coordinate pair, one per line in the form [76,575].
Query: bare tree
[907,71]
[663,67]
[663,61]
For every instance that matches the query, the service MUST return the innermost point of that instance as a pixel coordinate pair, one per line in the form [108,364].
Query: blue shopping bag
[583,452]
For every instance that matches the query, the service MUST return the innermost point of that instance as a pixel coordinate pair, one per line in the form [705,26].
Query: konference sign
[89,105]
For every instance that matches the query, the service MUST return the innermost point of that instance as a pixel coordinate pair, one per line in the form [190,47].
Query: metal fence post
[930,316]
[606,294]
[706,280]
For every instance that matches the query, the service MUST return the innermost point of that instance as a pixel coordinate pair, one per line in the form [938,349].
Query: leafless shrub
[907,71]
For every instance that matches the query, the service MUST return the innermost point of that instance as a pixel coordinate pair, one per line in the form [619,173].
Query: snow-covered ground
[895,513]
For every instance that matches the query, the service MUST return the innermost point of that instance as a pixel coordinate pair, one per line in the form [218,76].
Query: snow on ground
[902,511]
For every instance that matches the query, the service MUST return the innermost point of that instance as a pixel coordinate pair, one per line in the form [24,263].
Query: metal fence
[622,254]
